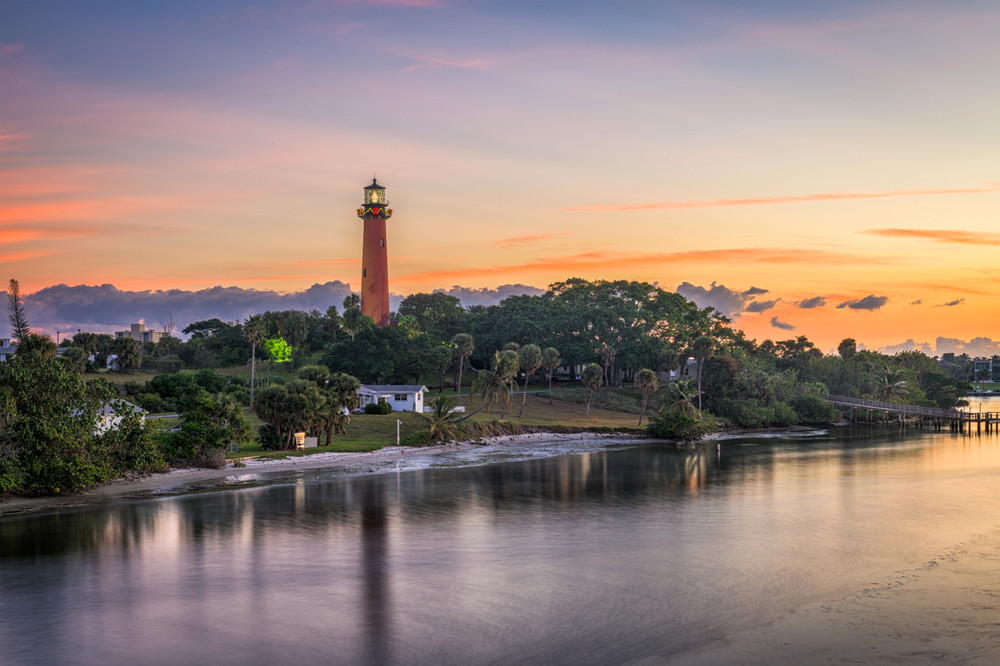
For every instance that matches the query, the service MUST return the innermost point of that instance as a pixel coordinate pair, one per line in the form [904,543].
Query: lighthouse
[374,260]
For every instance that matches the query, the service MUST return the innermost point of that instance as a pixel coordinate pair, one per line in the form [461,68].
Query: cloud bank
[810,303]
[871,302]
[727,301]
[106,308]
[785,326]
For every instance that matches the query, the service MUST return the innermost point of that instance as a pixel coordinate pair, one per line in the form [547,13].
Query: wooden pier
[957,420]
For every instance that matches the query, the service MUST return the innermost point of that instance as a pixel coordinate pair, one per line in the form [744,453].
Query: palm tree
[681,395]
[254,331]
[295,331]
[890,383]
[701,349]
[506,367]
[550,361]
[75,359]
[462,346]
[530,357]
[444,420]
[36,343]
[645,380]
[667,361]
[491,384]
[592,378]
[229,413]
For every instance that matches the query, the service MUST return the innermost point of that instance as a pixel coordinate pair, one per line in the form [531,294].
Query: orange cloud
[718,203]
[940,235]
[518,241]
[22,234]
[604,261]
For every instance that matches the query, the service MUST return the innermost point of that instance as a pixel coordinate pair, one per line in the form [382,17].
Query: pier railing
[894,407]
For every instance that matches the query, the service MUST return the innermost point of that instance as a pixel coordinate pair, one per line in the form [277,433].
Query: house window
[381,241]
[364,272]
[399,397]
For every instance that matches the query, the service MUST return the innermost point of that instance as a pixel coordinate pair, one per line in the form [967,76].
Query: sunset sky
[833,168]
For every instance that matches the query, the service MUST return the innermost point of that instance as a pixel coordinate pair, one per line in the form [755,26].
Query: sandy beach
[180,481]
[944,612]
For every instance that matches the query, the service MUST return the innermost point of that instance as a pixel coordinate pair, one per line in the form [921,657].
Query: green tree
[35,343]
[847,348]
[592,377]
[254,330]
[462,346]
[646,381]
[127,352]
[75,360]
[550,361]
[294,331]
[440,315]
[668,361]
[15,305]
[354,321]
[443,420]
[702,348]
[530,358]
[681,397]
[507,366]
[352,300]
[890,383]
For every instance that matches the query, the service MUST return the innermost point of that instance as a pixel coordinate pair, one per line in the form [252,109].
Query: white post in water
[398,422]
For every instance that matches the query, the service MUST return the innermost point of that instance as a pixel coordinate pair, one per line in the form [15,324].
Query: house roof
[394,388]
[109,407]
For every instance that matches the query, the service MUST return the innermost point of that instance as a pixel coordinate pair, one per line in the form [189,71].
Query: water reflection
[600,557]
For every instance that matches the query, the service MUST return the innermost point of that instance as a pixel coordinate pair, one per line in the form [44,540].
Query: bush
[748,413]
[382,408]
[151,402]
[674,425]
[268,438]
[784,414]
[814,409]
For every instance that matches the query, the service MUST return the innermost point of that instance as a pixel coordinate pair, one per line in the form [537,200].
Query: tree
[127,352]
[507,365]
[550,361]
[494,382]
[444,420]
[890,383]
[439,315]
[847,348]
[15,305]
[702,349]
[354,320]
[645,380]
[35,343]
[75,360]
[462,346]
[294,331]
[530,357]
[681,397]
[352,300]
[254,331]
[592,377]
[668,361]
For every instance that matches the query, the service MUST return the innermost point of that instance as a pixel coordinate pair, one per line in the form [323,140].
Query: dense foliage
[49,435]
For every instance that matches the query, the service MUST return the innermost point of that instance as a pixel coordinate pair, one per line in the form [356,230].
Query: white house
[7,349]
[107,419]
[402,398]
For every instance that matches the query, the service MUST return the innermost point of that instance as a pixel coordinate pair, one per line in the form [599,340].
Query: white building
[7,349]
[402,398]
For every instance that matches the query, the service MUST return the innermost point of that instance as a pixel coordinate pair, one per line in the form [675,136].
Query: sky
[821,169]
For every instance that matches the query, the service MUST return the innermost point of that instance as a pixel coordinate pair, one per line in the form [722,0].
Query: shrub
[784,414]
[748,413]
[151,402]
[668,424]
[813,409]
[382,408]
[268,438]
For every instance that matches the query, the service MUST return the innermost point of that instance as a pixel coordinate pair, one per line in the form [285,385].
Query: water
[635,555]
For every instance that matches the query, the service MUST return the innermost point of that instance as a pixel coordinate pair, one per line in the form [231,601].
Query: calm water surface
[608,557]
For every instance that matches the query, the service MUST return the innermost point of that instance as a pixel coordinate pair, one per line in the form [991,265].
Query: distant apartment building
[986,369]
[139,333]
[6,349]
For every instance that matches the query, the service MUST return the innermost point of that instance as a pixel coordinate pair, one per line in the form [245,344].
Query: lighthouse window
[364,272]
[381,241]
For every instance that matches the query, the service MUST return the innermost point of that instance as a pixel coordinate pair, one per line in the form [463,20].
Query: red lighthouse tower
[374,260]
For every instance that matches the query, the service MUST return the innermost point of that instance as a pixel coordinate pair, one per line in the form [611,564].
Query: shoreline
[195,479]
